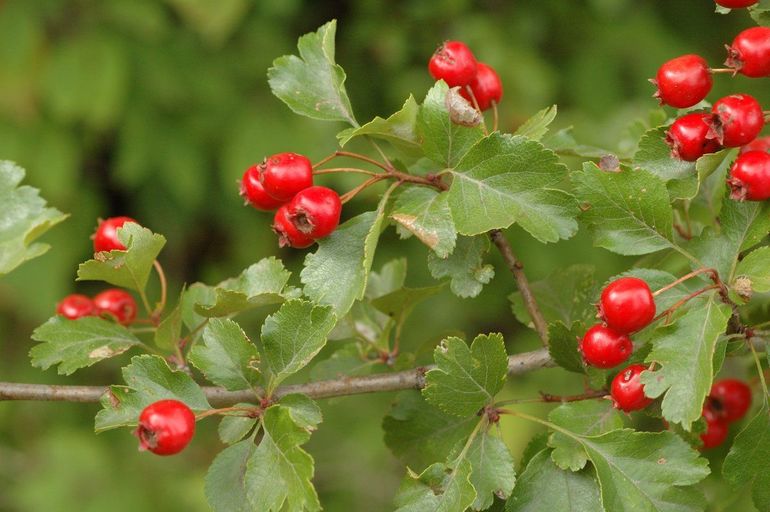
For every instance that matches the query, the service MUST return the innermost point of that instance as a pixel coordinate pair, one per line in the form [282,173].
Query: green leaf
[466,378]
[654,156]
[390,278]
[279,472]
[493,472]
[685,351]
[197,293]
[170,329]
[440,488]
[347,361]
[226,356]
[425,213]
[292,336]
[400,129]
[402,301]
[24,218]
[537,126]
[75,344]
[544,487]
[587,418]
[225,480]
[756,267]
[504,180]
[313,84]
[443,141]
[148,379]
[748,462]
[563,345]
[130,268]
[261,284]
[465,266]
[629,211]
[304,412]
[234,428]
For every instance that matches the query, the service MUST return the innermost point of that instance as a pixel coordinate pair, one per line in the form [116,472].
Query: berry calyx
[749,54]
[116,303]
[106,235]
[627,304]
[284,174]
[454,63]
[165,427]
[288,234]
[737,120]
[750,177]
[254,193]
[736,4]
[688,137]
[602,347]
[734,398]
[716,427]
[758,144]
[627,390]
[75,306]
[315,211]
[486,87]
[684,81]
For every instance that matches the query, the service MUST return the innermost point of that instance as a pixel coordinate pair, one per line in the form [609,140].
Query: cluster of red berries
[455,64]
[284,183]
[165,427]
[728,402]
[114,303]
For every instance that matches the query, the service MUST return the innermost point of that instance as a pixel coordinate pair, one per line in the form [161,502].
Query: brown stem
[683,301]
[363,158]
[155,316]
[249,412]
[495,118]
[549,398]
[714,277]
[344,169]
[347,196]
[723,70]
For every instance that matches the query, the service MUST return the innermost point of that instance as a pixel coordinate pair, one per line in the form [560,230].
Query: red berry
[627,304]
[684,81]
[603,347]
[735,4]
[716,428]
[758,144]
[453,63]
[165,427]
[288,234]
[750,176]
[688,137]
[106,236]
[627,390]
[116,303]
[75,306]
[285,174]
[254,193]
[486,87]
[734,397]
[737,120]
[315,211]
[750,52]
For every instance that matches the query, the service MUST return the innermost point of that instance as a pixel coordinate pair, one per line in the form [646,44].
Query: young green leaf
[170,329]
[492,469]
[234,428]
[537,126]
[196,293]
[440,488]
[390,278]
[425,213]
[654,156]
[756,267]
[587,418]
[347,361]
[225,480]
[563,345]
[465,266]
[748,462]
[401,302]
[226,356]
[400,129]
[304,411]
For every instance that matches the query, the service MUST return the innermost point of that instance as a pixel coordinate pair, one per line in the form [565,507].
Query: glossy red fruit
[716,428]
[737,120]
[315,211]
[684,81]
[627,304]
[75,306]
[736,4]
[627,389]
[734,397]
[749,54]
[688,137]
[106,236]
[117,303]
[254,193]
[288,234]
[750,177]
[165,427]
[603,347]
[285,174]
[453,63]
[486,87]
[758,144]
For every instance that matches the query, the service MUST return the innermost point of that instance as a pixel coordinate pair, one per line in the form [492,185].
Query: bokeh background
[153,109]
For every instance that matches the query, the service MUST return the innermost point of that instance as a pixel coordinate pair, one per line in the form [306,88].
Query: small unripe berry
[683,82]
[688,137]
[106,236]
[749,54]
[750,177]
[737,120]
[315,211]
[75,306]
[285,174]
[165,427]
[733,397]
[254,193]
[118,304]
[453,63]
[288,234]
[716,428]
[627,304]
[736,4]
[603,347]
[486,87]
[627,389]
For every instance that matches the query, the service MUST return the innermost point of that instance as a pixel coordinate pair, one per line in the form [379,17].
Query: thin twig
[155,316]
[714,277]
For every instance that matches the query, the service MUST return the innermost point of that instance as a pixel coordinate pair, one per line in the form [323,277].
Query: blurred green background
[154,108]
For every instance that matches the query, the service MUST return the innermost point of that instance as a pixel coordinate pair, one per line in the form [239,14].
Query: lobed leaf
[400,129]
[587,418]
[226,356]
[465,266]
[440,488]
[425,213]
[537,126]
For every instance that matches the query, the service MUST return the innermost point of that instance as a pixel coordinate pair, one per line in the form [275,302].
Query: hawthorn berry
[682,82]
[736,4]
[254,193]
[627,390]
[603,347]
[749,54]
[733,397]
[688,137]
[486,87]
[315,211]
[106,236]
[716,427]
[284,174]
[454,63]
[750,176]
[627,304]
[75,306]
[736,120]
[288,234]
[117,303]
[758,144]
[165,427]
